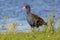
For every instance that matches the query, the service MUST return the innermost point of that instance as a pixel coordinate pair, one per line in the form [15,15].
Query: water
[13,9]
[22,26]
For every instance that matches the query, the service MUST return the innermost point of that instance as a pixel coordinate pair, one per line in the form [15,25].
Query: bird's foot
[38,29]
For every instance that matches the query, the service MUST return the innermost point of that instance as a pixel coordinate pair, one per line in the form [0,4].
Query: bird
[33,19]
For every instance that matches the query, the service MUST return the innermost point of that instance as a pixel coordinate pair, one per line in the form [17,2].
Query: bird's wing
[36,16]
[38,19]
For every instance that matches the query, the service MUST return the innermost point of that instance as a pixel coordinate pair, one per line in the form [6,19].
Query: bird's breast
[29,18]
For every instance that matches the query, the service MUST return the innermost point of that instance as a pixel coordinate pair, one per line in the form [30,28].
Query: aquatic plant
[51,23]
[3,26]
[11,29]
[14,25]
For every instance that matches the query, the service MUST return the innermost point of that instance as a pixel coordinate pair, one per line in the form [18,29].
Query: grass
[30,36]
[48,34]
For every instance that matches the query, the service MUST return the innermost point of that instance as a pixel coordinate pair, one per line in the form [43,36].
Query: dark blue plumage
[32,19]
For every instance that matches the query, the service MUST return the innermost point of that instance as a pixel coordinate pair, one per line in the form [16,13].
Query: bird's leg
[32,30]
[38,29]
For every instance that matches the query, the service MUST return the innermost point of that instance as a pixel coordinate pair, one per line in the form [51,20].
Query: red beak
[23,8]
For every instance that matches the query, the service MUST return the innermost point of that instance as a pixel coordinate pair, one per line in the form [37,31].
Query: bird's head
[26,7]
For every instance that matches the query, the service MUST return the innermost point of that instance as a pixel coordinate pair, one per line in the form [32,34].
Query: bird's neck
[28,10]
